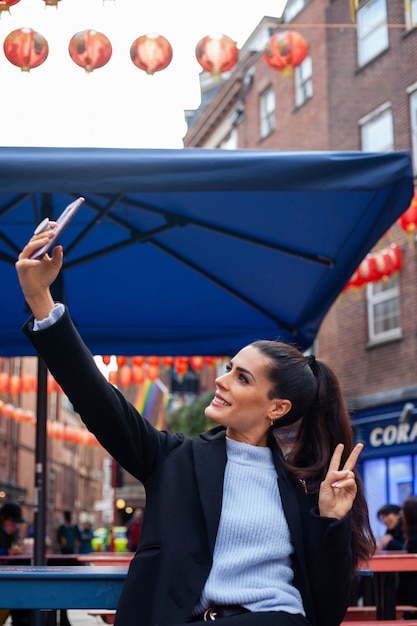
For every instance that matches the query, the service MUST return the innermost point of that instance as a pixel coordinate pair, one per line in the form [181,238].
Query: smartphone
[65,217]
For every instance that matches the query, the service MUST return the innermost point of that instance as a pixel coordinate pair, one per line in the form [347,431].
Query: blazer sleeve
[129,438]
[329,564]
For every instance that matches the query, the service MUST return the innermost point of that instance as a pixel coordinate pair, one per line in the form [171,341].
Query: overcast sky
[58,104]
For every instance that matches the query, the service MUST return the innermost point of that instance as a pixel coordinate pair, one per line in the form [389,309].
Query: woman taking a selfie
[237,527]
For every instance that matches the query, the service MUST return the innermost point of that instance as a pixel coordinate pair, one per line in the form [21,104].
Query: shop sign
[393,434]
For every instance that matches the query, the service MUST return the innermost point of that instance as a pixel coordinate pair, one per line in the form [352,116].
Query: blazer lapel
[210,462]
[291,503]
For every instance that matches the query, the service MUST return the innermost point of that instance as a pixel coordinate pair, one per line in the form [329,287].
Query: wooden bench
[362,613]
[383,622]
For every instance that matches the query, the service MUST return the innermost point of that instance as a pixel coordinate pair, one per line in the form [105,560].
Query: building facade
[74,465]
[355,90]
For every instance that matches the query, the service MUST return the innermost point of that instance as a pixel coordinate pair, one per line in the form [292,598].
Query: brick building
[356,90]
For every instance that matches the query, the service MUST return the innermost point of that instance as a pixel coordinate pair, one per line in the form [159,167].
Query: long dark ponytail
[321,421]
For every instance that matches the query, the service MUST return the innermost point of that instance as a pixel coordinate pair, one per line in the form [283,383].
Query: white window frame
[230,141]
[377,130]
[413,125]
[410,11]
[267,106]
[384,295]
[372,30]
[293,8]
[303,78]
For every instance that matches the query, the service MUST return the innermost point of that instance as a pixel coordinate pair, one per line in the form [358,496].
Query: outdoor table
[109,558]
[60,587]
[383,564]
[50,559]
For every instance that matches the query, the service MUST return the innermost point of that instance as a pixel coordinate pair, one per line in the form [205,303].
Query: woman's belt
[218,611]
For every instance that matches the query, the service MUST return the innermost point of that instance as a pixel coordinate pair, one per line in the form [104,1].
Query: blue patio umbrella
[180,252]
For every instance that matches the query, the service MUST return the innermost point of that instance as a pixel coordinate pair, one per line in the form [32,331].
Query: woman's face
[241,401]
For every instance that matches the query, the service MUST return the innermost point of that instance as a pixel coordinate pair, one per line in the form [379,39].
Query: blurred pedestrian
[407,588]
[390,516]
[10,543]
[86,535]
[133,528]
[68,535]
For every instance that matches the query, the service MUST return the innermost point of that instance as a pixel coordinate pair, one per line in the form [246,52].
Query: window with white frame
[413,124]
[372,30]
[383,299]
[410,7]
[267,111]
[377,130]
[229,142]
[292,8]
[303,77]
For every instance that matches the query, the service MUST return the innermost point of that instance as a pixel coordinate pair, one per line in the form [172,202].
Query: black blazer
[183,478]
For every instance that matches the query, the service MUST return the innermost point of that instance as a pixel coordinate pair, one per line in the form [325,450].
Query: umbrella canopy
[196,251]
[191,251]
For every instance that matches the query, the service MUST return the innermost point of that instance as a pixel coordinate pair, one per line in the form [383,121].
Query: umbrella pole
[40,466]
[37,618]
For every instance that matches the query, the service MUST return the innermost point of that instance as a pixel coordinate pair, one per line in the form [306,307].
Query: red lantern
[125,376]
[25,48]
[395,253]
[114,378]
[152,372]
[180,366]
[106,359]
[6,4]
[138,360]
[356,280]
[52,385]
[15,385]
[151,53]
[28,383]
[216,53]
[18,414]
[121,360]
[167,361]
[408,220]
[138,375]
[197,363]
[4,381]
[368,269]
[90,49]
[285,50]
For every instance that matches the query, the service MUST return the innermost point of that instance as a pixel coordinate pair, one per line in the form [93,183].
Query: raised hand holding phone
[65,217]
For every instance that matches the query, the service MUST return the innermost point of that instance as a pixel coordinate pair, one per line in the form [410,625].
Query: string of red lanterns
[408,220]
[141,368]
[377,266]
[216,53]
[55,430]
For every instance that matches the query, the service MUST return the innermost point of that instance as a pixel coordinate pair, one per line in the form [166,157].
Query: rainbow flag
[152,402]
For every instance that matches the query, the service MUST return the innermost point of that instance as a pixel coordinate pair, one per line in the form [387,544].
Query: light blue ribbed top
[252,555]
